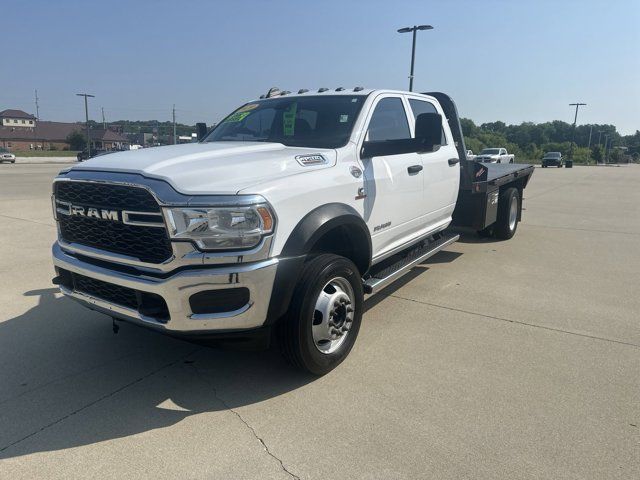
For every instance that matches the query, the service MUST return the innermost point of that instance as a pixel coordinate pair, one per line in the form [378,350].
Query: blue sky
[501,60]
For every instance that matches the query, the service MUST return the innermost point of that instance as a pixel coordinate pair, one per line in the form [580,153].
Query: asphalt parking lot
[516,359]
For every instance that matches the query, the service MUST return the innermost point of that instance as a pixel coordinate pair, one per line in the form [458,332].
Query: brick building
[22,131]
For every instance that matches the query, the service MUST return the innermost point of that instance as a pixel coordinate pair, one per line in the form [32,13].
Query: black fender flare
[311,228]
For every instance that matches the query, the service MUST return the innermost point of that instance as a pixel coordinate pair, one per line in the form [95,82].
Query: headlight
[221,228]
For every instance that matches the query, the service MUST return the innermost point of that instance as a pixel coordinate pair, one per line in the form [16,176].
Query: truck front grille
[148,244]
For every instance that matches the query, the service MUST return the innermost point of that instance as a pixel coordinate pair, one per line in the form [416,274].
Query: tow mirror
[201,130]
[428,131]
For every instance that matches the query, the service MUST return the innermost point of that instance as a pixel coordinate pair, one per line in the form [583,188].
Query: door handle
[413,169]
[453,161]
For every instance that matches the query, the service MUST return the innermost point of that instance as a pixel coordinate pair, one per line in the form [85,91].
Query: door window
[389,121]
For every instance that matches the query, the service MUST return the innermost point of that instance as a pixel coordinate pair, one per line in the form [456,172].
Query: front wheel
[322,323]
[508,210]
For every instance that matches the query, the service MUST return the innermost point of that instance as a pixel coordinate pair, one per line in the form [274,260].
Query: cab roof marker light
[358,89]
[303,90]
[273,92]
[339,89]
[262,96]
[286,92]
[323,89]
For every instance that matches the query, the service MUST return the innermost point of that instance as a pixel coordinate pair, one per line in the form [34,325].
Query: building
[20,131]
[102,139]
[16,118]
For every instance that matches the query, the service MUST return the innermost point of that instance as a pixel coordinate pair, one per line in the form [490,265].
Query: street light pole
[573,132]
[86,115]
[413,30]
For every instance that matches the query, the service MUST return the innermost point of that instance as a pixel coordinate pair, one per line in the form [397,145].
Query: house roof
[57,132]
[16,114]
[107,135]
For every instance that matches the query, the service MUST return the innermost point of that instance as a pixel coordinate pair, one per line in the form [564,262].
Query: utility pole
[86,114]
[174,125]
[104,124]
[37,107]
[600,137]
[590,132]
[606,140]
[573,132]
[413,29]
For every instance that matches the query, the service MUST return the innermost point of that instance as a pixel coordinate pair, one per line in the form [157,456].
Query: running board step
[389,272]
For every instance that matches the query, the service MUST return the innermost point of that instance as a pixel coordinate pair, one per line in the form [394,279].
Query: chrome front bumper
[257,277]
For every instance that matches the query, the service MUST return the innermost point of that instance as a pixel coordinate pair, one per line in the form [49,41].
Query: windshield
[490,151]
[553,154]
[314,121]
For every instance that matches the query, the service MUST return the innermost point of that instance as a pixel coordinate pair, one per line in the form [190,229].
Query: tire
[511,161]
[508,210]
[329,284]
[486,232]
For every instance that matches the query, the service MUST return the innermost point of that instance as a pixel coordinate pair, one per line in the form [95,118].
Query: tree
[76,140]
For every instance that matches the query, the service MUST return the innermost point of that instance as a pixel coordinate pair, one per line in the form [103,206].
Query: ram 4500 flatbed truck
[280,220]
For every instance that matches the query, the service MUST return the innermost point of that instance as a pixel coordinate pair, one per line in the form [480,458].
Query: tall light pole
[413,29]
[86,115]
[573,132]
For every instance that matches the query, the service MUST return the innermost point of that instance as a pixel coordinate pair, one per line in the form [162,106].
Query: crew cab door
[441,169]
[503,156]
[393,184]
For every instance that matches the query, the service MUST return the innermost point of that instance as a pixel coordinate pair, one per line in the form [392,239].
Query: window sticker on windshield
[344,118]
[236,117]
[248,107]
[289,120]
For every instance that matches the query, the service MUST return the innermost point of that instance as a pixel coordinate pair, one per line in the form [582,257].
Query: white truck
[279,221]
[495,155]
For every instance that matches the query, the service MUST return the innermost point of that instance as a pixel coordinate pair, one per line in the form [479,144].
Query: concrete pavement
[516,359]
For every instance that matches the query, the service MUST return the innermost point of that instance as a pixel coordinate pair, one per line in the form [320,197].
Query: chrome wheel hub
[513,213]
[333,315]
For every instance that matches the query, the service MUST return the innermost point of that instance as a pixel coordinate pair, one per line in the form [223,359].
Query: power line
[573,132]
[174,125]
[86,114]
[37,107]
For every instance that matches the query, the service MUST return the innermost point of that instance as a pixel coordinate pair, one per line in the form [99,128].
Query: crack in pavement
[508,320]
[98,400]
[580,229]
[27,220]
[246,424]
[68,376]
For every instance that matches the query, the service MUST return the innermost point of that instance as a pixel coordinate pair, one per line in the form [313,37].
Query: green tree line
[529,141]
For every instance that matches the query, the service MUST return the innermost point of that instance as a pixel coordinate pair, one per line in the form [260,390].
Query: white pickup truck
[279,221]
[495,155]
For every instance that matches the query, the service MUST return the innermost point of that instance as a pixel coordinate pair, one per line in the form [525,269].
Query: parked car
[495,155]
[470,155]
[553,159]
[279,221]
[7,156]
[82,156]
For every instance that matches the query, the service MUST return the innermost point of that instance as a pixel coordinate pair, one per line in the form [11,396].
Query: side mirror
[201,130]
[428,131]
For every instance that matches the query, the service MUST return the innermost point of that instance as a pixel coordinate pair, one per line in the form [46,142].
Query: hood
[212,168]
